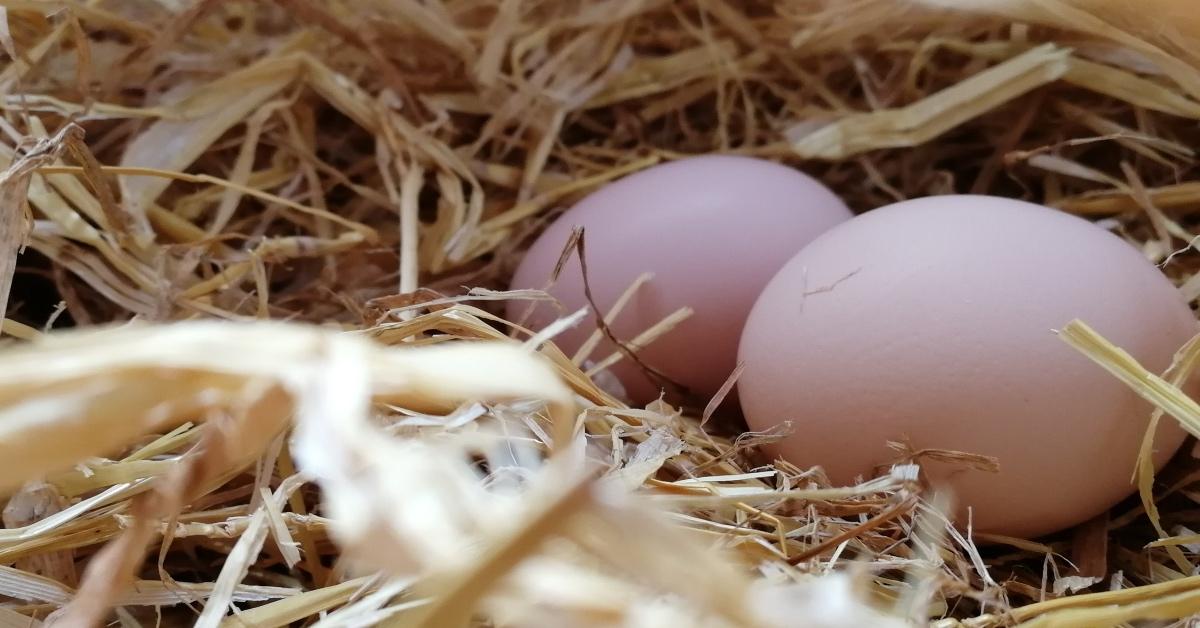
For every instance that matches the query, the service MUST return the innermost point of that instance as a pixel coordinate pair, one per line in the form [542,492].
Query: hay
[326,200]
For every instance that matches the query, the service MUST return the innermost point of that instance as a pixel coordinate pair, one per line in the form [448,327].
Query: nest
[325,201]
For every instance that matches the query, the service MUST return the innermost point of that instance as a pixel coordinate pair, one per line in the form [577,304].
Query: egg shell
[712,229]
[930,322]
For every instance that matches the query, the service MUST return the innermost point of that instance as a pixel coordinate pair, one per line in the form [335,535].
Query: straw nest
[308,186]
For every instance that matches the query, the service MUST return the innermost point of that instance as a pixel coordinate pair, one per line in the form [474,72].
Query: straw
[285,231]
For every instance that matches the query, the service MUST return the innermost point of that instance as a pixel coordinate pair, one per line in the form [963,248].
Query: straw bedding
[326,200]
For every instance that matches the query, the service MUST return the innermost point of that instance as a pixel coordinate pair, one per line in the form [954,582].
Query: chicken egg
[930,323]
[711,229]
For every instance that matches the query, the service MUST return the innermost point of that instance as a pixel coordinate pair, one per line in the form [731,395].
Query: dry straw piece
[283,231]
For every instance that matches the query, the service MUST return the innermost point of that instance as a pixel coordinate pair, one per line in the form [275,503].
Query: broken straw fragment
[1149,386]
[934,115]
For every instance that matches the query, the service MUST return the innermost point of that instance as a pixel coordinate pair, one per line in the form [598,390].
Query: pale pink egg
[931,322]
[711,229]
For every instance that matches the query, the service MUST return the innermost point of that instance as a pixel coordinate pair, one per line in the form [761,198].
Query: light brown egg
[711,229]
[931,322]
